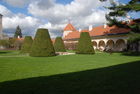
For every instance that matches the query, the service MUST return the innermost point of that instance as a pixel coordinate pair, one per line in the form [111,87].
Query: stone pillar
[1,34]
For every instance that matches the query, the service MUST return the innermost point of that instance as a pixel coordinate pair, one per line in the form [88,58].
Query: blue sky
[52,14]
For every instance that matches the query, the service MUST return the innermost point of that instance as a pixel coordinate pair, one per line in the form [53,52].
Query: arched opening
[110,45]
[120,45]
[101,45]
[94,44]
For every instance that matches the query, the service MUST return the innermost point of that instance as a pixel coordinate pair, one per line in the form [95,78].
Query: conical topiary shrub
[42,45]
[85,45]
[27,43]
[59,45]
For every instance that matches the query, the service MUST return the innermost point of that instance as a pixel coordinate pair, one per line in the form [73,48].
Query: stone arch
[120,45]
[101,45]
[110,45]
[94,44]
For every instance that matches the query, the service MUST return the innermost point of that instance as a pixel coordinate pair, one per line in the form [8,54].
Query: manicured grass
[11,53]
[101,73]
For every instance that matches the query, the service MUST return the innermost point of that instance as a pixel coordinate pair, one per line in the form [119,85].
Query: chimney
[90,27]
[105,25]
[129,19]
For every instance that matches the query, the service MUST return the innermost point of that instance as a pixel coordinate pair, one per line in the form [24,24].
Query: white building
[103,37]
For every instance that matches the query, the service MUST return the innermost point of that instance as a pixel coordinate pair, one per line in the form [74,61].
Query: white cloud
[4,11]
[79,11]
[28,24]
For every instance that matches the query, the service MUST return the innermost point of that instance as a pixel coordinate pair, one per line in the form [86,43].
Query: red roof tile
[69,27]
[98,31]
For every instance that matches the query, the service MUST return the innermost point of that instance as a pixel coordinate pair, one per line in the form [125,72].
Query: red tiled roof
[84,30]
[69,27]
[20,39]
[73,35]
[98,31]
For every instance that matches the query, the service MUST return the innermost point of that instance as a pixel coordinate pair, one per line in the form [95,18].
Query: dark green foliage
[85,45]
[42,45]
[121,10]
[134,38]
[18,32]
[59,45]
[27,43]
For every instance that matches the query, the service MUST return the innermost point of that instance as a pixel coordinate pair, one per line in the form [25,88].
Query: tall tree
[18,33]
[122,11]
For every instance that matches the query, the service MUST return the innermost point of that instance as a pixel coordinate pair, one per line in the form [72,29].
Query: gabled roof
[98,31]
[69,27]
[85,30]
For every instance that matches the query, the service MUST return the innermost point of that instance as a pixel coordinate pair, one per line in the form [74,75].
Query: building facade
[103,37]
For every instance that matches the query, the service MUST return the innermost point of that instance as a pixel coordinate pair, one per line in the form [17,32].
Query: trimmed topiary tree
[85,45]
[59,45]
[42,45]
[27,43]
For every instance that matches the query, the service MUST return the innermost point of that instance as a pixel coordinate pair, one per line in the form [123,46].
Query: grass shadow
[4,52]
[119,79]
[131,53]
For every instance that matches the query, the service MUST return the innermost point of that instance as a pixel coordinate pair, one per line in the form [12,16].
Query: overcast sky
[52,14]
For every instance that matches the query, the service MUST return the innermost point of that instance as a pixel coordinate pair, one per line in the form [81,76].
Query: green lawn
[101,73]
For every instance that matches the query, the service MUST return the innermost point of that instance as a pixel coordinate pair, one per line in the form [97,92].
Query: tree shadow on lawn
[131,53]
[4,52]
[119,79]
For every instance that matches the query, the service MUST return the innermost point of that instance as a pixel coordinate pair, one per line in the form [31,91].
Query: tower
[69,28]
[1,34]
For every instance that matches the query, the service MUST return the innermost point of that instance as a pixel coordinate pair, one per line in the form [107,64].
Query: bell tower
[1,33]
[69,28]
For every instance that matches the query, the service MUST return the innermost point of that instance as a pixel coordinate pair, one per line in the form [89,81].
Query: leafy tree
[27,43]
[42,45]
[18,44]
[85,45]
[11,42]
[59,45]
[18,32]
[122,11]
[4,43]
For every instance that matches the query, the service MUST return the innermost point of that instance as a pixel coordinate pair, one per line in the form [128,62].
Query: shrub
[4,43]
[85,45]
[11,42]
[42,45]
[27,43]
[18,44]
[59,45]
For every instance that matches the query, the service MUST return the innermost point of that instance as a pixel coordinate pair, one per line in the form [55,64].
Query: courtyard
[101,73]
